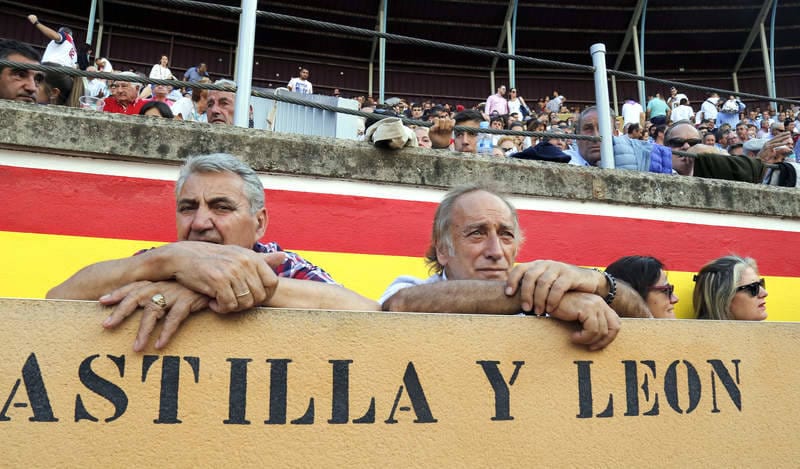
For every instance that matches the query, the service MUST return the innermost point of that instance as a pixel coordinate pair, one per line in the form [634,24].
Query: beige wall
[709,393]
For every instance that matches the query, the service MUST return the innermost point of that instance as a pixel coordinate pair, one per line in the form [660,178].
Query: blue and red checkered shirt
[295,266]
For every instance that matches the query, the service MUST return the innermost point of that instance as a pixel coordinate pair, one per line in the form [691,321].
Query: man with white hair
[124,97]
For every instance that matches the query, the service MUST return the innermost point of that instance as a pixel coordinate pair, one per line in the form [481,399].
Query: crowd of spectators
[645,139]
[720,127]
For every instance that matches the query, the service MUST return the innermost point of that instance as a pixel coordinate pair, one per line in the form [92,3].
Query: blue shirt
[194,75]
[657,107]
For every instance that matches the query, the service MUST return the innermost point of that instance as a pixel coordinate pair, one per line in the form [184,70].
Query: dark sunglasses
[753,288]
[678,142]
[667,289]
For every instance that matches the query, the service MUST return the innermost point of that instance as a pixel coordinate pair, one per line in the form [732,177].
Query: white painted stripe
[385,191]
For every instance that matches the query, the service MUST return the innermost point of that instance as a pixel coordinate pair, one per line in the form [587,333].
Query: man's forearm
[628,303]
[294,293]
[95,280]
[455,296]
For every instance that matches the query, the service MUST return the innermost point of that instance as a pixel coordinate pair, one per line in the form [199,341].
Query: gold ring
[244,293]
[159,300]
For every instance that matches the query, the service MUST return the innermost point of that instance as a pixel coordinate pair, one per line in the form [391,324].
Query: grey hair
[675,124]
[589,110]
[441,236]
[715,286]
[220,163]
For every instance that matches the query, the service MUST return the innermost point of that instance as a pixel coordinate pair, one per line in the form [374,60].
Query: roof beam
[637,14]
[753,33]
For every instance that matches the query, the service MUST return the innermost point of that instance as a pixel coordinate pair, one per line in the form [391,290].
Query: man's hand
[33,19]
[599,323]
[180,303]
[441,132]
[542,284]
[776,149]
[234,277]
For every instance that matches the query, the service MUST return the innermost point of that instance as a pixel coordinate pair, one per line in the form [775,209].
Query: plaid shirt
[295,266]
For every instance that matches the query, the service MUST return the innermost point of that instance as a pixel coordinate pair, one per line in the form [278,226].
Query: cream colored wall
[738,410]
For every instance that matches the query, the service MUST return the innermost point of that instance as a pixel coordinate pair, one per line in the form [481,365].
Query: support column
[767,67]
[603,109]
[382,54]
[244,62]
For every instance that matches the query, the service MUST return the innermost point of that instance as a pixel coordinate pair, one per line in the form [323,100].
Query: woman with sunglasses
[646,275]
[730,288]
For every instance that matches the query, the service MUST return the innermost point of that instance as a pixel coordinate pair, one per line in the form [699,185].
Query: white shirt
[680,113]
[631,111]
[160,73]
[298,85]
[62,53]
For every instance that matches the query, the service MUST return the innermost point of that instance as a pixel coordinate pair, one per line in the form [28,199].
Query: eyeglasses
[667,289]
[678,142]
[753,288]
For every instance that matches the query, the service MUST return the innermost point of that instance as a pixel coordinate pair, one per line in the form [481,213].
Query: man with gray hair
[218,261]
[124,97]
[475,241]
[221,104]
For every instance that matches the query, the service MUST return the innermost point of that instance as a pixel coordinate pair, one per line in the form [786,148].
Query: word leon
[642,375]
[237,396]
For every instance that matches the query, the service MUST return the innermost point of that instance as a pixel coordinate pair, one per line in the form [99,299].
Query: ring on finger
[244,293]
[159,300]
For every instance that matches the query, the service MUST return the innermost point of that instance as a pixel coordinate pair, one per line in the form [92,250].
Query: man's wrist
[606,287]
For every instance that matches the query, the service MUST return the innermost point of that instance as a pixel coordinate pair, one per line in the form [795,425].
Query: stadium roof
[683,40]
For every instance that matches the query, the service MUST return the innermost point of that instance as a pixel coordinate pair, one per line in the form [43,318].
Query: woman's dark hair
[163,109]
[640,272]
[71,89]
[83,50]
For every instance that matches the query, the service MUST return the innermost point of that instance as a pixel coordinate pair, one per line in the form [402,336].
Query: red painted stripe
[79,204]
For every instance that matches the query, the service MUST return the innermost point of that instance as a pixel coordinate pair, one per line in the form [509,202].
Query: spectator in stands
[18,84]
[628,154]
[464,141]
[646,275]
[423,138]
[156,109]
[59,89]
[197,73]
[61,48]
[103,65]
[632,112]
[124,97]
[497,103]
[657,110]
[729,111]
[555,103]
[218,261]
[710,139]
[221,104]
[634,131]
[84,53]
[497,123]
[675,98]
[96,87]
[416,111]
[192,107]
[683,136]
[729,288]
[161,71]
[522,142]
[741,131]
[708,110]
[505,147]
[301,84]
[516,104]
[683,112]
[475,240]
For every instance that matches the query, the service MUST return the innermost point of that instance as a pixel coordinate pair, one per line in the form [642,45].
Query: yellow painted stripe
[33,263]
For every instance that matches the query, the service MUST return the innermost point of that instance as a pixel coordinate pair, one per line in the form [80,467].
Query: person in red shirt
[124,97]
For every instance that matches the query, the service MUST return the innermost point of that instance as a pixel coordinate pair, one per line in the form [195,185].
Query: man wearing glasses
[18,84]
[684,137]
